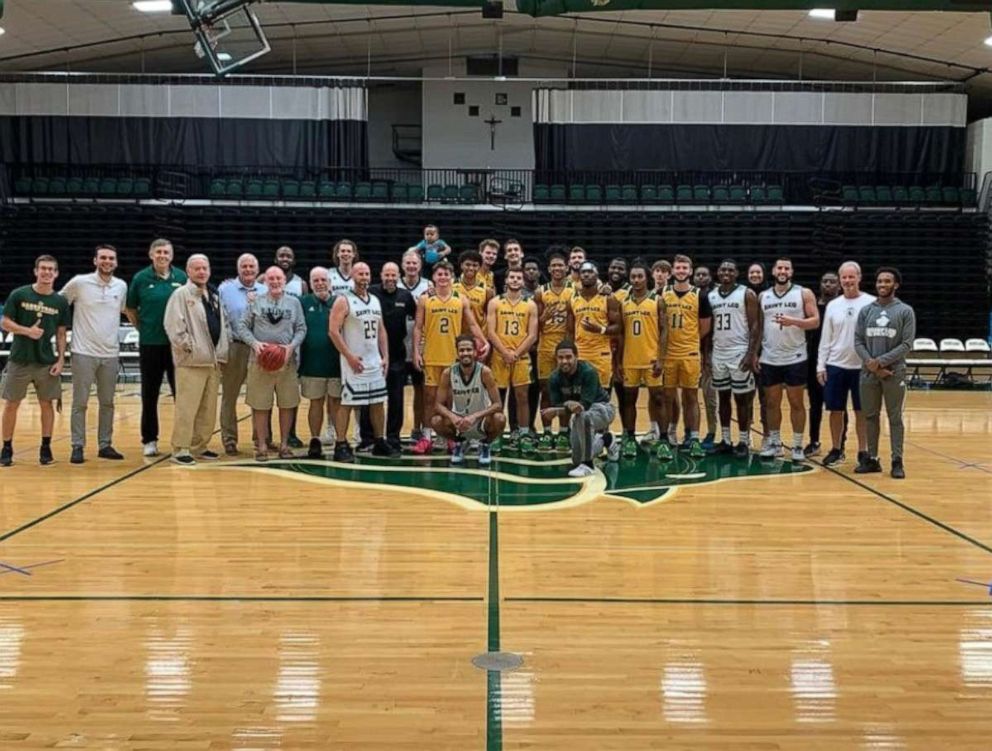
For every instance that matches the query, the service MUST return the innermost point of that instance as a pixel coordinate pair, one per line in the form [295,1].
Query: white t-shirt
[96,314]
[837,333]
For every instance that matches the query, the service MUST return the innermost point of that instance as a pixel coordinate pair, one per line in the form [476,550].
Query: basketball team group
[534,345]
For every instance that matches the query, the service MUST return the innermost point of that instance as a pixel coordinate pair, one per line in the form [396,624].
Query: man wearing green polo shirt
[320,362]
[34,314]
[147,297]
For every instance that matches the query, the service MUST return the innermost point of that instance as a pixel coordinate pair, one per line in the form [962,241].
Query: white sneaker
[798,455]
[150,449]
[613,452]
[765,443]
[582,470]
[771,450]
[328,437]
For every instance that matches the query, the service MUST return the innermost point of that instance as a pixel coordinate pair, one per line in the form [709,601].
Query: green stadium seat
[759,194]
[39,186]
[142,187]
[721,194]
[776,194]
[290,189]
[125,187]
[950,193]
[883,194]
[683,193]
[866,194]
[435,192]
[900,194]
[558,193]
[363,191]
[74,186]
[218,187]
[450,193]
[108,186]
[416,193]
[56,186]
[666,194]
[577,193]
[342,191]
[701,193]
[254,188]
[91,186]
[849,194]
[917,194]
[628,193]
[594,193]
[380,191]
[236,187]
[325,190]
[400,192]
[649,193]
[933,194]
[468,194]
[738,194]
[22,186]
[542,193]
[968,197]
[308,189]
[270,188]
[613,194]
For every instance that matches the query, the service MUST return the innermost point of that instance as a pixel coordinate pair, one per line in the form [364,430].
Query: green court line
[494,698]
[236,598]
[734,601]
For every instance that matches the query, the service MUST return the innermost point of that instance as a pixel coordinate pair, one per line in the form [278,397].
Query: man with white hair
[197,331]
[236,295]
[320,362]
[838,366]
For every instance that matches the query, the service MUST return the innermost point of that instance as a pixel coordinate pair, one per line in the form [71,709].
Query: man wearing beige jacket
[194,323]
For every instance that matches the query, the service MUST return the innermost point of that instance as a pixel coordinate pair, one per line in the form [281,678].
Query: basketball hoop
[227,33]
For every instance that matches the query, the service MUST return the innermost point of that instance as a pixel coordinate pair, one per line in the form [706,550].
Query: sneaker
[328,437]
[563,441]
[422,446]
[546,443]
[316,449]
[109,452]
[231,448]
[77,455]
[497,446]
[45,455]
[381,448]
[150,449]
[485,454]
[395,444]
[613,450]
[458,454]
[343,453]
[184,458]
[835,457]
[365,447]
[868,466]
[771,450]
[294,441]
[742,450]
[663,451]
[862,456]
[583,470]
[629,447]
[513,438]
[766,441]
[798,455]
[650,438]
[812,448]
[208,455]
[709,443]
[6,456]
[696,449]
[527,444]
[723,449]
[897,472]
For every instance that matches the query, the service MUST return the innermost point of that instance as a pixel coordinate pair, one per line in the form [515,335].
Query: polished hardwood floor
[149,606]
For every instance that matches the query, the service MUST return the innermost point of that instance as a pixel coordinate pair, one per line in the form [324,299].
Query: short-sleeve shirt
[318,356]
[148,294]
[26,307]
[96,314]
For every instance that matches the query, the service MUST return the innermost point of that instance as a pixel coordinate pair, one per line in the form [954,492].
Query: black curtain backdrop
[207,142]
[797,148]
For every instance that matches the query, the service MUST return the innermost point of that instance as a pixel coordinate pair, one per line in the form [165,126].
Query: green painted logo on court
[531,482]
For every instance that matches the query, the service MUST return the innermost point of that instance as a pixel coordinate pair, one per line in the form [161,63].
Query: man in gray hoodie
[883,338]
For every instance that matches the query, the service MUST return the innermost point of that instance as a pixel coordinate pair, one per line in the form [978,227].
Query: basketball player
[513,254]
[285,259]
[661,271]
[512,329]
[441,318]
[417,286]
[468,405]
[787,310]
[358,334]
[471,287]
[489,250]
[736,334]
[703,280]
[616,279]
[686,322]
[593,320]
[576,257]
[344,255]
[640,355]
[553,302]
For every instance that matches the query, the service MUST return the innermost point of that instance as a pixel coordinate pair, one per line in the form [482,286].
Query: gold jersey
[682,322]
[553,328]
[640,331]
[512,321]
[476,296]
[487,278]
[442,325]
[591,344]
[622,294]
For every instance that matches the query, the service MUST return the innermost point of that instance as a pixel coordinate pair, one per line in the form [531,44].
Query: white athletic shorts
[727,375]
[361,389]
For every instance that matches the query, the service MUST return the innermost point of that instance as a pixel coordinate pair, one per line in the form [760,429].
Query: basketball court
[311,605]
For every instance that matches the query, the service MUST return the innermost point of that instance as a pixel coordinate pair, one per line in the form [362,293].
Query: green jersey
[148,294]
[318,357]
[26,308]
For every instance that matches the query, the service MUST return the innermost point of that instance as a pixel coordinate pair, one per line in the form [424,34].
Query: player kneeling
[468,406]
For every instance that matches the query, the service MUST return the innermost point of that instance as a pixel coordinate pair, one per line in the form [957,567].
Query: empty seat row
[660,194]
[889,195]
[87,187]
[254,188]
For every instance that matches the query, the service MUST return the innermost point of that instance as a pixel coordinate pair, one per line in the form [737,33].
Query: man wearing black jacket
[398,306]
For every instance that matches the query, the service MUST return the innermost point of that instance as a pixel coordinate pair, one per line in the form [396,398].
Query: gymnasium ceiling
[111,36]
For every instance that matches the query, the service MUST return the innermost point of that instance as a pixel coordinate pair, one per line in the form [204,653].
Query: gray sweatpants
[893,391]
[584,426]
[85,371]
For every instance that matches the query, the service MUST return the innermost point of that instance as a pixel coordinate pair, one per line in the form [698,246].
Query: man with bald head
[398,307]
[320,362]
[197,331]
[235,295]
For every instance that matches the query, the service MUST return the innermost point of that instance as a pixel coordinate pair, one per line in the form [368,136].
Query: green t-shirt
[26,307]
[318,357]
[148,294]
[582,387]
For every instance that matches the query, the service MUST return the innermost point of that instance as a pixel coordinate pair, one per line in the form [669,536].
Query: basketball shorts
[505,375]
[636,377]
[416,376]
[603,363]
[682,372]
[362,389]
[432,374]
[794,374]
[547,362]
[727,375]
[840,383]
[476,432]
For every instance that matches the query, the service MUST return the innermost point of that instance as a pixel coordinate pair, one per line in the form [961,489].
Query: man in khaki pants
[195,325]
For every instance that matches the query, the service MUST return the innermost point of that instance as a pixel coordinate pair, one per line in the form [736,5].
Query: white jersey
[295,286]
[361,330]
[782,345]
[837,332]
[730,330]
[468,396]
[416,291]
[339,283]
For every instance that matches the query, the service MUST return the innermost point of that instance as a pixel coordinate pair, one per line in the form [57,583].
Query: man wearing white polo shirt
[97,301]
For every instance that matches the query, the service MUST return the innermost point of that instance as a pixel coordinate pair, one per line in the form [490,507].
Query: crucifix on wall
[492,122]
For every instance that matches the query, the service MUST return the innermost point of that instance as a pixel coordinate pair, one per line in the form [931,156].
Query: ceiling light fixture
[826,14]
[988,41]
[224,57]
[153,6]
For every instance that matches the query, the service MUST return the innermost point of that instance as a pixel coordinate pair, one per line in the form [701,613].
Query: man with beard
[468,404]
[471,287]
[736,334]
[593,320]
[532,276]
[576,257]
[787,310]
[553,302]
[685,324]
[512,329]
[883,338]
[344,255]
[489,250]
[320,362]
[616,280]
[286,260]
[829,289]
[417,286]
[703,279]
[640,356]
